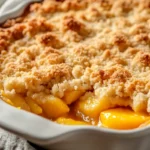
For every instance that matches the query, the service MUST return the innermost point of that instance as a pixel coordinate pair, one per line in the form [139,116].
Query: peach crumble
[79,62]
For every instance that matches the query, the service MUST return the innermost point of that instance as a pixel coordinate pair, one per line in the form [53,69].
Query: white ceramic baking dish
[48,134]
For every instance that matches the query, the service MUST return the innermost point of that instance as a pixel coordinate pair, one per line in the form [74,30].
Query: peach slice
[121,118]
[35,108]
[15,100]
[53,106]
[69,121]
[71,96]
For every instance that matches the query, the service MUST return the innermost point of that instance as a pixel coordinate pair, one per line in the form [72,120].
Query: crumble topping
[90,45]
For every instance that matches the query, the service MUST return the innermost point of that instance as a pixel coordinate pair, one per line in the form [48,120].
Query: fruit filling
[122,118]
[81,110]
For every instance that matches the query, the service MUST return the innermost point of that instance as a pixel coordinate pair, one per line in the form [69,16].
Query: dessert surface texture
[98,47]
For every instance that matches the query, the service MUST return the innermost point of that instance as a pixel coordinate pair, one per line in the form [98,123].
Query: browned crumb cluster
[61,45]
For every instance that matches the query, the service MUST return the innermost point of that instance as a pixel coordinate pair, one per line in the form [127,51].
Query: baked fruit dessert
[79,62]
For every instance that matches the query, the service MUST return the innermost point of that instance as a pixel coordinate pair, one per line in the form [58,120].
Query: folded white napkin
[9,141]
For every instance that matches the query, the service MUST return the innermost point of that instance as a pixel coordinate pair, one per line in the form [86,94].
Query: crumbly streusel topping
[61,45]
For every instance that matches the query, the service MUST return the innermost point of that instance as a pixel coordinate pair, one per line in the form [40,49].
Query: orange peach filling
[80,108]
[121,118]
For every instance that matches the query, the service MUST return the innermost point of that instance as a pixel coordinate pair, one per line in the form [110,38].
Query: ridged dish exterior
[97,141]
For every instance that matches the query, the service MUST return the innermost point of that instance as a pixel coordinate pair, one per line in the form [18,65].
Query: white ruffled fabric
[9,141]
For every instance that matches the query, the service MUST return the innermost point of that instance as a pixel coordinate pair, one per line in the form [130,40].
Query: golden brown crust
[51,40]
[72,24]
[61,45]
